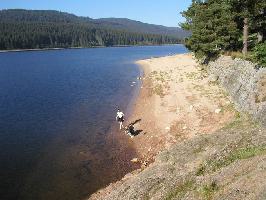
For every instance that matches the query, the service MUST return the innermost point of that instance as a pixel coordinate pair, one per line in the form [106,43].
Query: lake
[56,109]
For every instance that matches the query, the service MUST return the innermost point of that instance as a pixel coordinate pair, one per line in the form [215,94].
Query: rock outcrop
[245,84]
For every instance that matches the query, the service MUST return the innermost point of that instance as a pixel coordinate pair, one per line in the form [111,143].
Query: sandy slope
[176,102]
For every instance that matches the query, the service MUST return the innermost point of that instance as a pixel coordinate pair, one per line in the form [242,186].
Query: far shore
[46,49]
[49,49]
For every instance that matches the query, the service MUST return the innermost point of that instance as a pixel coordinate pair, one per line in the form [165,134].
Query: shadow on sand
[130,129]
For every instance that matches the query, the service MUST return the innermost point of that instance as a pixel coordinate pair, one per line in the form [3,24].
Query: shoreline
[175,103]
[46,49]
[59,48]
[163,110]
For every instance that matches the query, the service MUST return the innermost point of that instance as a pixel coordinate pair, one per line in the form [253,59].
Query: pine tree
[213,29]
[250,15]
[259,20]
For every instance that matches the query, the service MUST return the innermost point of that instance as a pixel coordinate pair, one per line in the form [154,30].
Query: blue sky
[162,12]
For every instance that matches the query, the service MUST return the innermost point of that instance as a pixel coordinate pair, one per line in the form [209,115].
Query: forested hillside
[227,26]
[29,29]
[131,25]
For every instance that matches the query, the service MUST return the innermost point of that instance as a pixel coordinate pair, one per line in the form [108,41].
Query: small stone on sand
[167,128]
[134,160]
[218,110]
[144,164]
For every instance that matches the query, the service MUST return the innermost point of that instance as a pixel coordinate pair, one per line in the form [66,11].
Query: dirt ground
[207,150]
[177,101]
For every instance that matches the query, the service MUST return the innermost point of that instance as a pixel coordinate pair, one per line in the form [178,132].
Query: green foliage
[213,165]
[217,27]
[201,170]
[213,30]
[252,9]
[260,54]
[180,191]
[23,29]
[209,190]
[238,154]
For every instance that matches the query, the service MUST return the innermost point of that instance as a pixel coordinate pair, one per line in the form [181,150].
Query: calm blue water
[55,108]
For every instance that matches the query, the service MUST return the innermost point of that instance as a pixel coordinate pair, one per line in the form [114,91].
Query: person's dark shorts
[120,119]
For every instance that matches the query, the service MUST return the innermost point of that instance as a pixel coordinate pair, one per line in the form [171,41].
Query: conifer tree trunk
[245,36]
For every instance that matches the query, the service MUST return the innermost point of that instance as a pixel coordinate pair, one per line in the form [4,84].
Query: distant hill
[20,29]
[132,25]
[15,15]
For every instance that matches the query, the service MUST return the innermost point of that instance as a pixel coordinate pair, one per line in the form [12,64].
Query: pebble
[134,160]
[144,164]
[218,110]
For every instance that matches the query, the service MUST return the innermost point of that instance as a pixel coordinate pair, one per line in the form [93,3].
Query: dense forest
[234,27]
[27,29]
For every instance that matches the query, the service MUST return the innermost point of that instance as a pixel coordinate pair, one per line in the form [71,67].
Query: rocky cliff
[244,83]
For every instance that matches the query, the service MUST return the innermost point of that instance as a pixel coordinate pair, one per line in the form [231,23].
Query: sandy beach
[176,102]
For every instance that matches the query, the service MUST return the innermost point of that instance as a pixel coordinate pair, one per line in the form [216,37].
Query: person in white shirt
[120,118]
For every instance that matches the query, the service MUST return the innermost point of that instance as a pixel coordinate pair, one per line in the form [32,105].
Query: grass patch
[237,54]
[160,76]
[208,191]
[241,120]
[199,87]
[201,170]
[239,154]
[153,73]
[191,75]
[158,89]
[181,190]
[160,80]
[235,123]
[230,108]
